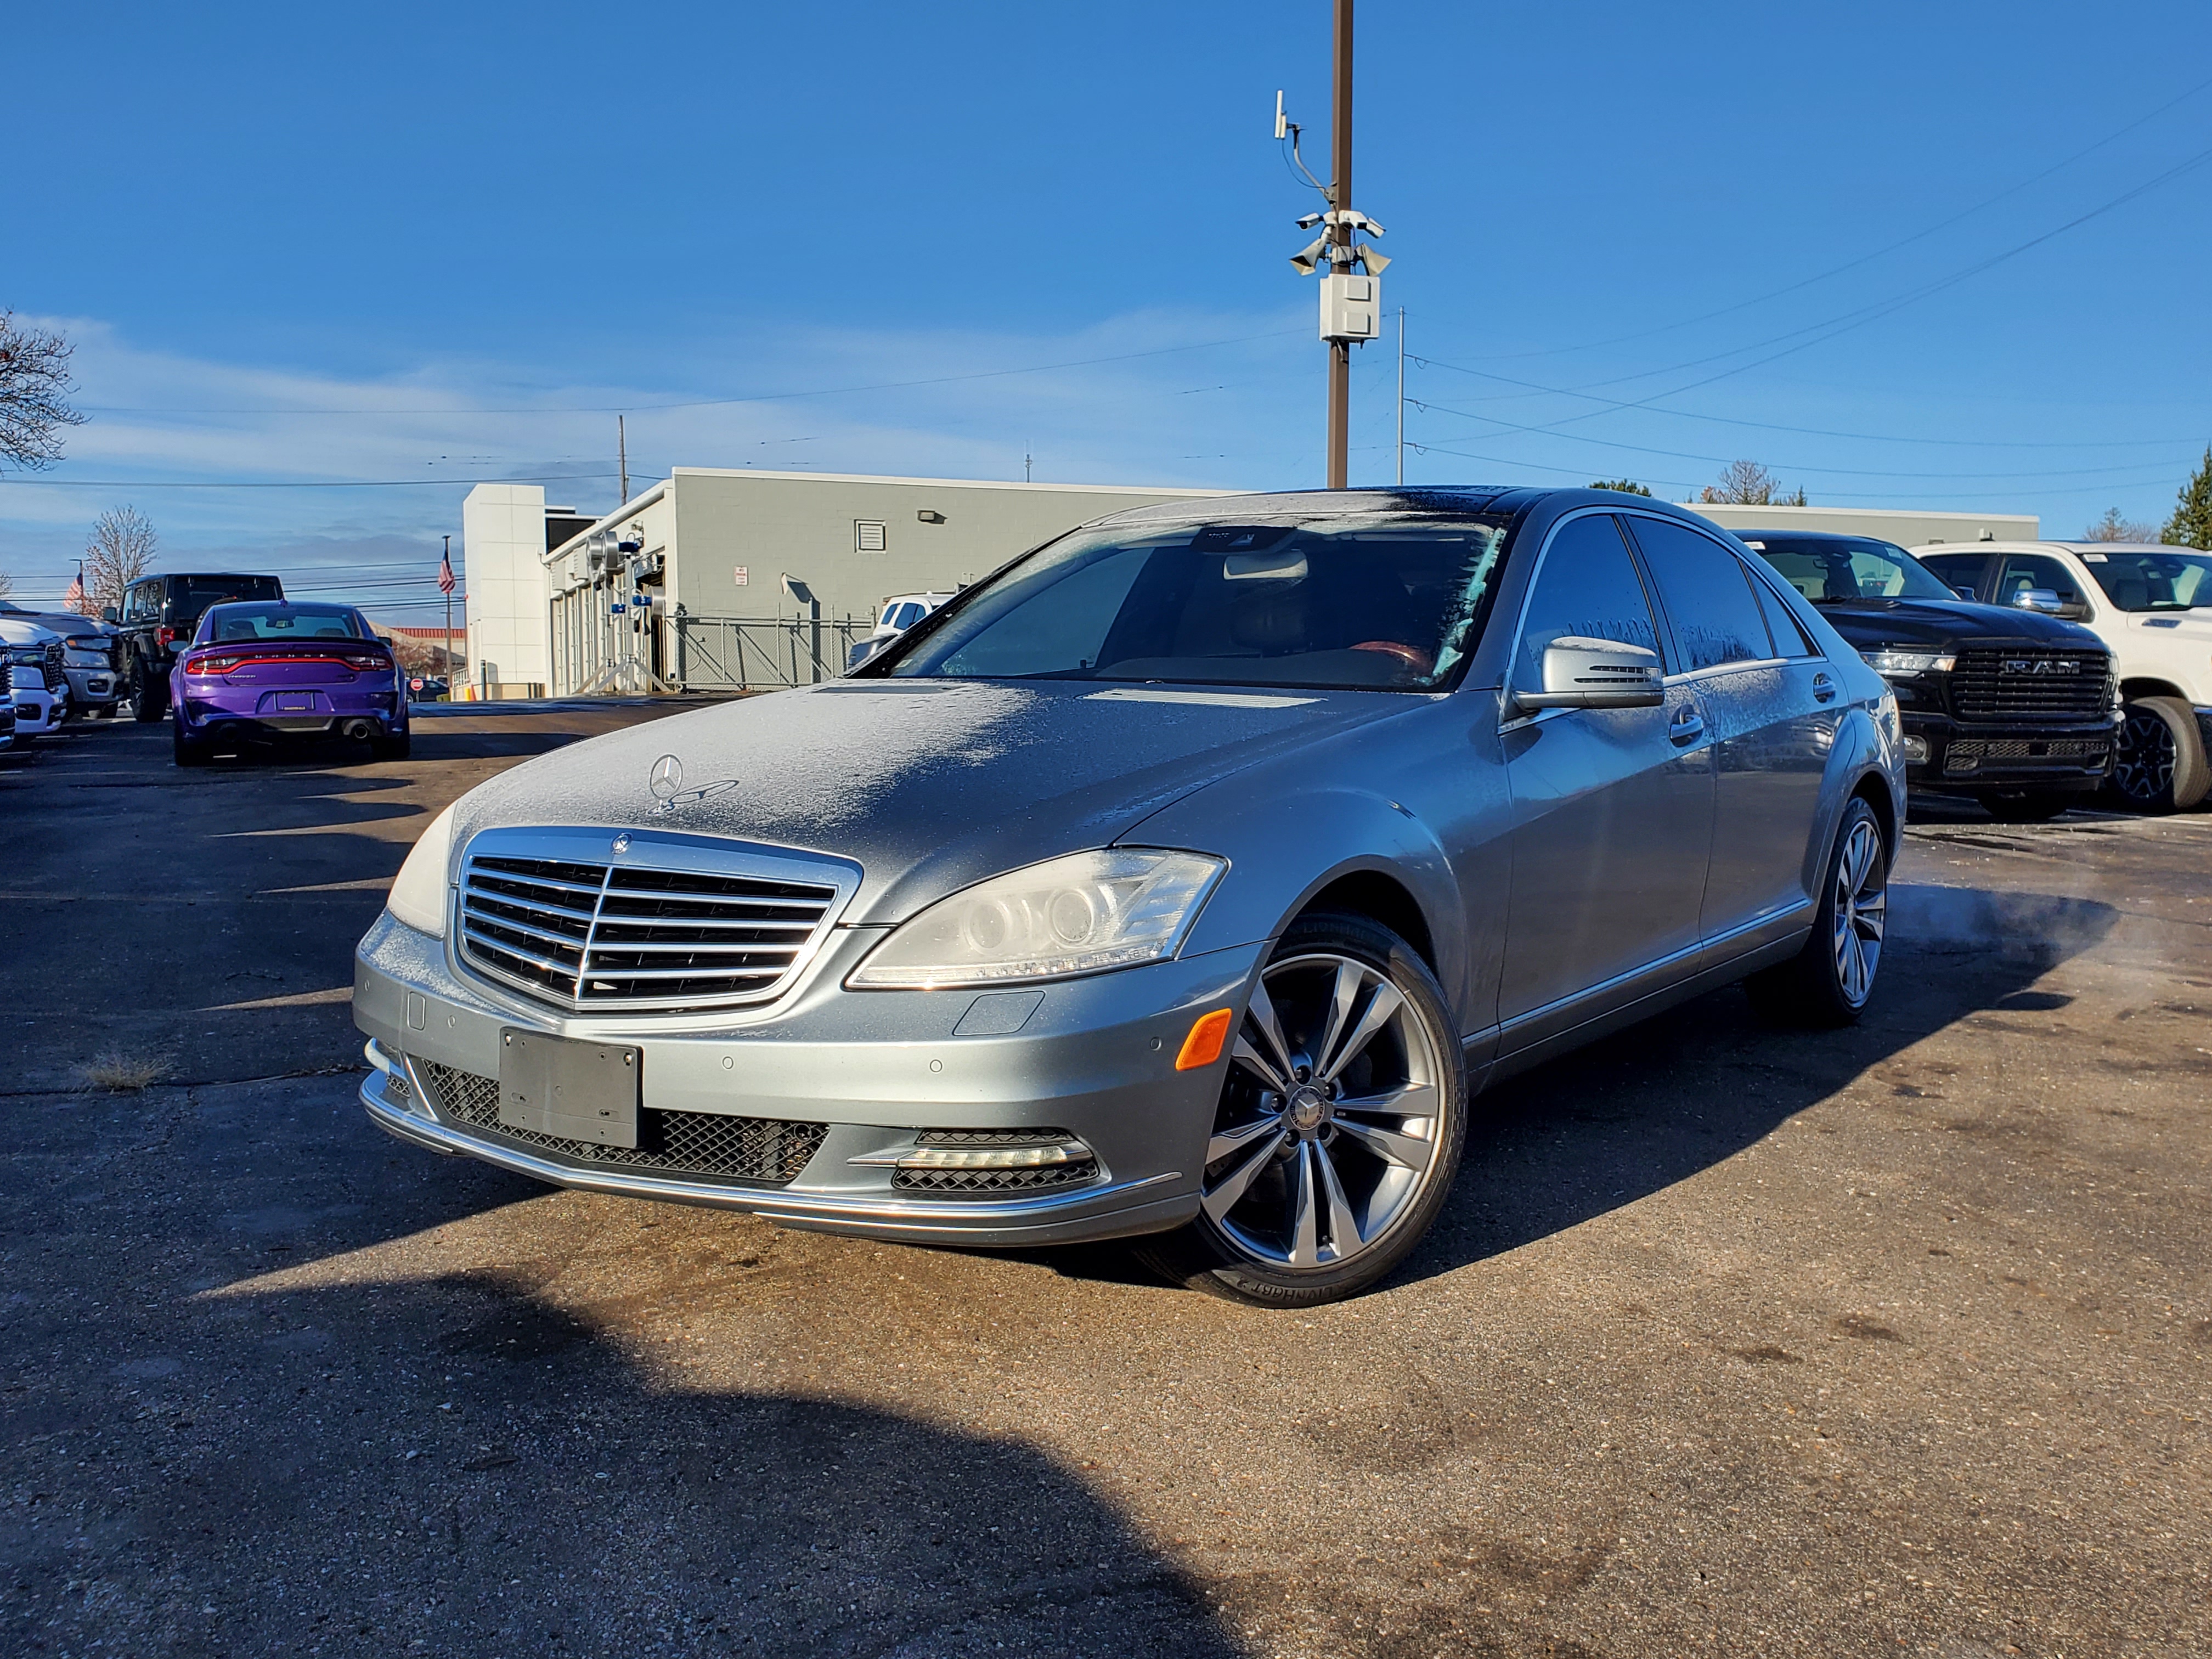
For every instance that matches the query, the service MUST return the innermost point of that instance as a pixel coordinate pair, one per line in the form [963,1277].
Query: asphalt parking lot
[1892,1341]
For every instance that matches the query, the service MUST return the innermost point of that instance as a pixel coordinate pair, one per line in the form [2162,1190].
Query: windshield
[1390,604]
[230,622]
[1837,569]
[2153,580]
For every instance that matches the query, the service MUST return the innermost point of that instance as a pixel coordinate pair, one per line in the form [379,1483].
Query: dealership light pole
[1351,293]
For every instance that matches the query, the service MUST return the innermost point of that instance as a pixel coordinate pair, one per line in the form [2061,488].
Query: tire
[1291,1159]
[149,696]
[1828,982]
[393,749]
[2033,806]
[189,752]
[2160,765]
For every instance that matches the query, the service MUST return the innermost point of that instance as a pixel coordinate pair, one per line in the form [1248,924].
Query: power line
[1852,264]
[304,483]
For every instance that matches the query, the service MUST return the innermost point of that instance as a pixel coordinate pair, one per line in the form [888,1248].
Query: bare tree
[119,552]
[1747,484]
[7,584]
[2114,528]
[417,656]
[34,388]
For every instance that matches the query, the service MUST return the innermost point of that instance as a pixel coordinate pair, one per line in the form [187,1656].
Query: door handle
[1687,726]
[1824,688]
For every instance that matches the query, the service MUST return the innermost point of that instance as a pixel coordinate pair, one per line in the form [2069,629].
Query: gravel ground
[1732,1342]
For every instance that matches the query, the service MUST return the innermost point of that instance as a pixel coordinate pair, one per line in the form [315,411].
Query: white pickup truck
[31,663]
[2153,606]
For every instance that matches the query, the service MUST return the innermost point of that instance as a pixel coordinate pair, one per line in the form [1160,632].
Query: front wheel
[1341,1119]
[2160,765]
[1828,982]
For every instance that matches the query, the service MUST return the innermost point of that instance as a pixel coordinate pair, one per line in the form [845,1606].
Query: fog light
[1915,751]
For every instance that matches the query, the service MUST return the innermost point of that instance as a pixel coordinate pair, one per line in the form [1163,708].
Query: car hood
[1870,623]
[15,632]
[927,785]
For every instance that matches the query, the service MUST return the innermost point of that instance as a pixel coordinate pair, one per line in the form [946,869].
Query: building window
[871,536]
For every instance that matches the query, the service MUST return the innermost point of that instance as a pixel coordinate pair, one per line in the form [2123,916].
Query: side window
[1587,588]
[2023,571]
[1707,594]
[1960,572]
[1791,639]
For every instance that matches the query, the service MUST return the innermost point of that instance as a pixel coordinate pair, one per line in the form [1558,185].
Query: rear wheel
[1828,982]
[1338,1129]
[150,695]
[2032,806]
[2160,765]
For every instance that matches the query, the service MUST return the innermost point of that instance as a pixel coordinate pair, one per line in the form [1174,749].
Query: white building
[1905,527]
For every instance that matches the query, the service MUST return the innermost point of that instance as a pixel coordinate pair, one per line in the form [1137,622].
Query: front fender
[1867,745]
[1281,855]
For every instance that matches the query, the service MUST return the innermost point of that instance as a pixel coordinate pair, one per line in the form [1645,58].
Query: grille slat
[761,1151]
[616,936]
[1994,684]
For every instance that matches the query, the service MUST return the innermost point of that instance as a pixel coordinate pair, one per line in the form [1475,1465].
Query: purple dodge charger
[267,668]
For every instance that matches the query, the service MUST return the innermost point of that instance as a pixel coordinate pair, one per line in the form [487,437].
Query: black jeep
[2016,709]
[159,614]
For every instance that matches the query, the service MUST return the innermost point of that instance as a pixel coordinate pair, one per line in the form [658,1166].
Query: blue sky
[302,246]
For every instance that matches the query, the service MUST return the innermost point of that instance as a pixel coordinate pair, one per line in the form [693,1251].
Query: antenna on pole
[621,451]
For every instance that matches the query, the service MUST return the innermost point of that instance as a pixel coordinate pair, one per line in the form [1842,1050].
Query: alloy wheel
[1330,1119]
[2142,769]
[1861,911]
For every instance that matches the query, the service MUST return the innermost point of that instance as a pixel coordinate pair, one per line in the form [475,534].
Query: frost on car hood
[928,785]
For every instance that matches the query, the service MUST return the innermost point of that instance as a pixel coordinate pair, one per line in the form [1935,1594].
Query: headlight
[1089,911]
[1908,662]
[419,892]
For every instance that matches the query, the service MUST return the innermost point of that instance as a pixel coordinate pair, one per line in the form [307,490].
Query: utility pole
[1340,198]
[1401,397]
[621,451]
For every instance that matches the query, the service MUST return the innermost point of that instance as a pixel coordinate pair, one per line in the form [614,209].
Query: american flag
[74,599]
[446,575]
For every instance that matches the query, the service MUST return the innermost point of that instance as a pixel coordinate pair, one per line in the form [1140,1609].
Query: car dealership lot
[1890,1340]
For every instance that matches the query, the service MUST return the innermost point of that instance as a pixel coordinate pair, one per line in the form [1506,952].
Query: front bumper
[37,713]
[2076,755]
[90,687]
[868,1072]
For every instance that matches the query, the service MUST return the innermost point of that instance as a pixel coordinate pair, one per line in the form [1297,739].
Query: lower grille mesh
[762,1151]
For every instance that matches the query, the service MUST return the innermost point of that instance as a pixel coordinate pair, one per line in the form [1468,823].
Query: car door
[1612,808]
[1771,711]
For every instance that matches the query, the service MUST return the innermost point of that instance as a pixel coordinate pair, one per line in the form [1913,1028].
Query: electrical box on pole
[1350,306]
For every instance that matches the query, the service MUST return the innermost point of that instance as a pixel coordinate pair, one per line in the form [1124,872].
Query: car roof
[1441,499]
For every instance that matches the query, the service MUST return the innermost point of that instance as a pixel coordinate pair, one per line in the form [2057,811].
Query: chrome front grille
[669,924]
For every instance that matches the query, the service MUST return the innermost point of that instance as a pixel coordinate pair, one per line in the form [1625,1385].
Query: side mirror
[2074,611]
[1583,674]
[1965,594]
[864,649]
[108,614]
[2045,600]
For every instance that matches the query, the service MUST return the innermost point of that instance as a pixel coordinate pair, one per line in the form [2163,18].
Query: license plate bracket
[295,703]
[577,1090]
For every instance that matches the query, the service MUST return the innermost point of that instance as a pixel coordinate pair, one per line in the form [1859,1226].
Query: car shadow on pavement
[335,1458]
[1656,1104]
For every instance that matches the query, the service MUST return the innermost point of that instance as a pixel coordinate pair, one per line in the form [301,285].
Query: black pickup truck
[2015,709]
[159,614]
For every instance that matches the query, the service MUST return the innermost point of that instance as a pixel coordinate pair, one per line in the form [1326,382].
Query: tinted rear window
[282,621]
[190,595]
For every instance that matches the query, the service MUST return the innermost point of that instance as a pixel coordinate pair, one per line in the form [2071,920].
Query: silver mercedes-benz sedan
[1182,881]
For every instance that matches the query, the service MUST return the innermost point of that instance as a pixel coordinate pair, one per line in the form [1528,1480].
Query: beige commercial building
[716,577]
[1904,526]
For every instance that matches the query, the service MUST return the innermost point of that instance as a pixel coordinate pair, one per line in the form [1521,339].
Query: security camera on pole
[1350,271]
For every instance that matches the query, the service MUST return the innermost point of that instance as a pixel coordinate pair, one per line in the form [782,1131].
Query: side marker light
[1203,1046]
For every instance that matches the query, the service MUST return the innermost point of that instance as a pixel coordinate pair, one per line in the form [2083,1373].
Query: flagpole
[444,569]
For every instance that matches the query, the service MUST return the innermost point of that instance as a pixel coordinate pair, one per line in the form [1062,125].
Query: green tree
[2191,523]
[1626,486]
